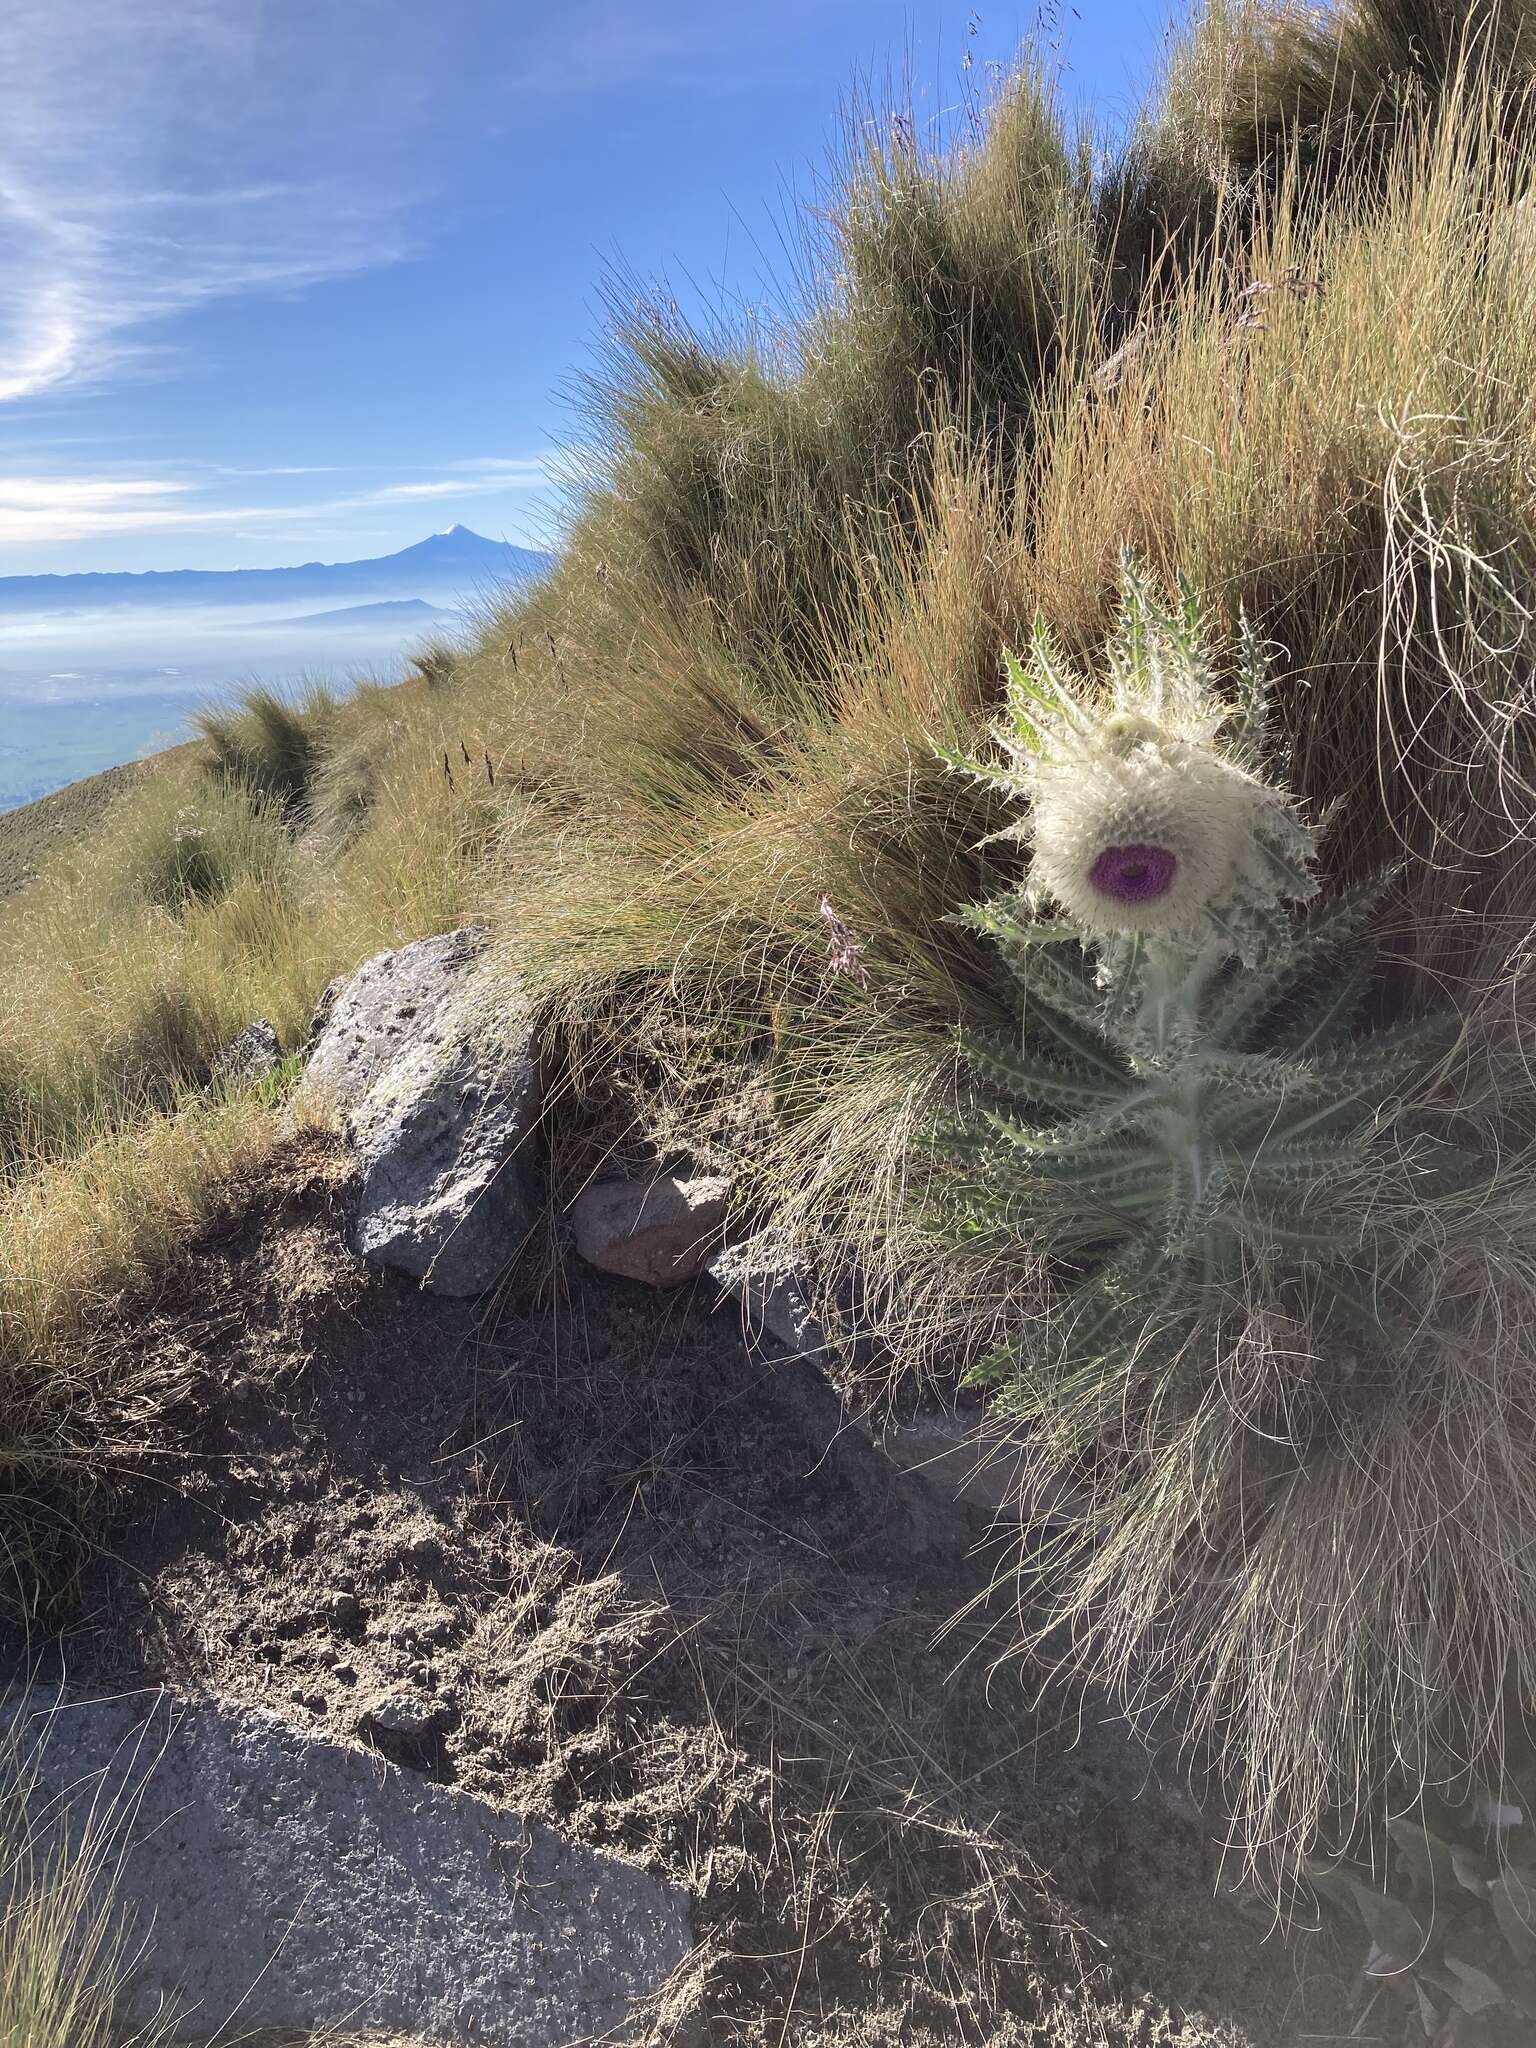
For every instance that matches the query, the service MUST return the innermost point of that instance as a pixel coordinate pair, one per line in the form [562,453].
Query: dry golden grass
[77,1235]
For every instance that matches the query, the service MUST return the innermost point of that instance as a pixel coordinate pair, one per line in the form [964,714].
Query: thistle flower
[1146,811]
[1186,1130]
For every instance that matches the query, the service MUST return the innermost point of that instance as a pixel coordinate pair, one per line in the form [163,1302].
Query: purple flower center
[1134,874]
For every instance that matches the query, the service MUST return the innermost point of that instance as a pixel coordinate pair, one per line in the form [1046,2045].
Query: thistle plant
[1446,1932]
[1189,1118]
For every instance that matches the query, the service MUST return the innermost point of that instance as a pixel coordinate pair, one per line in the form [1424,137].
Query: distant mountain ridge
[453,564]
[389,611]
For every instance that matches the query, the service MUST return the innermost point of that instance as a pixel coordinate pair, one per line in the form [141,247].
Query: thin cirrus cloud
[155,158]
[135,172]
[37,510]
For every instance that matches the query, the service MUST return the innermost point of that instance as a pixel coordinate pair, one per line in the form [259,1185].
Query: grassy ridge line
[31,834]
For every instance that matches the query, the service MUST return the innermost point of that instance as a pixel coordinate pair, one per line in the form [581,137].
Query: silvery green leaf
[1386,1967]
[1390,1924]
[1040,1080]
[1429,2017]
[1473,1989]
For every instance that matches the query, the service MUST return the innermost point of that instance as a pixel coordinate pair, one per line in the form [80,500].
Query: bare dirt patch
[590,1559]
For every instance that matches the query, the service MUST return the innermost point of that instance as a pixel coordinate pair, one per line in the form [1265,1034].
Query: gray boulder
[435,1085]
[661,1231]
[273,1882]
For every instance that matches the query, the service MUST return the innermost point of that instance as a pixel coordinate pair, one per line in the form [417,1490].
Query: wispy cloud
[134,175]
[42,510]
[483,477]
[156,157]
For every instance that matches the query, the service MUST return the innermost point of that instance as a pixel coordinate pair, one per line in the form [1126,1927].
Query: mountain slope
[450,564]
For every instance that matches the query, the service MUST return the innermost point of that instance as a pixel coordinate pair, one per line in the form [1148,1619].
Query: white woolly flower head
[1142,818]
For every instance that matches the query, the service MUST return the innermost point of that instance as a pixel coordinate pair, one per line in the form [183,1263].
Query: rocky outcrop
[662,1230]
[435,1089]
[273,1882]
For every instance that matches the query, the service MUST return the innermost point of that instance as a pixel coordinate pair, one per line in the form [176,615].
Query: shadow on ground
[587,1559]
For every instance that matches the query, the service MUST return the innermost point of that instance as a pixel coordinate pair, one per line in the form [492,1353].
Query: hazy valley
[98,669]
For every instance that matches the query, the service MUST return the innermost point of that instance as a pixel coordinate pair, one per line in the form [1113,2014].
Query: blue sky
[296,279]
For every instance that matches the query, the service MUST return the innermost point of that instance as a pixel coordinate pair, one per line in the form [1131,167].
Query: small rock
[250,1056]
[662,1231]
[775,1296]
[400,1713]
[344,1610]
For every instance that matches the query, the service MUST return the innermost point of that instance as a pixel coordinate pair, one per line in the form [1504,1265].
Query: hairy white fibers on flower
[1140,818]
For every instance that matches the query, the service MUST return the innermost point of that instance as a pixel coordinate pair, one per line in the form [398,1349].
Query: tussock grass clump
[182,846]
[1271,88]
[268,742]
[126,968]
[757,471]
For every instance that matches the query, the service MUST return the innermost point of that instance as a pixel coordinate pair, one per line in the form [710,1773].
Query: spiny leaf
[1251,994]
[1032,1078]
[1285,1162]
[1065,1139]
[1329,1013]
